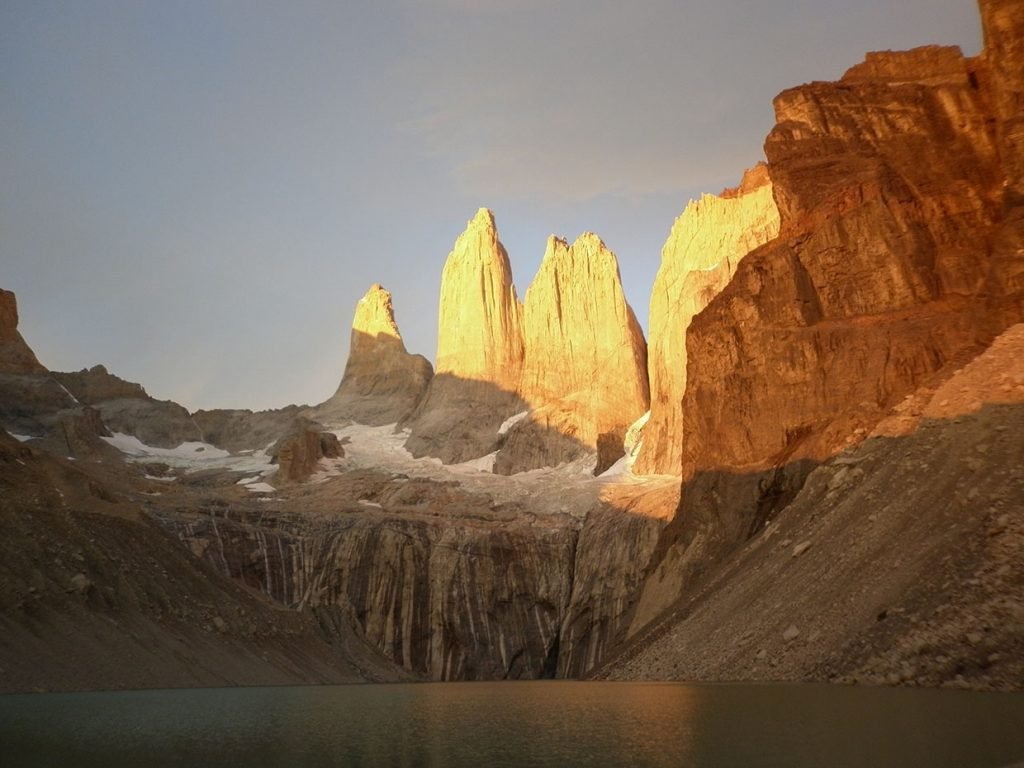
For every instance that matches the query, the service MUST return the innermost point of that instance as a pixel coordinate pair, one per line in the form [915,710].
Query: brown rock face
[1003,25]
[299,452]
[699,258]
[584,370]
[889,187]
[15,355]
[479,350]
[383,383]
[96,384]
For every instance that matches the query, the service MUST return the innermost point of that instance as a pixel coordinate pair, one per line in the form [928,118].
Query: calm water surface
[516,724]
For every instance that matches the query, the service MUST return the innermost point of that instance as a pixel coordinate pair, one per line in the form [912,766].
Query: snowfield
[192,456]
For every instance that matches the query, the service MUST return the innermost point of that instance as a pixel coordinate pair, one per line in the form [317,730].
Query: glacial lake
[516,724]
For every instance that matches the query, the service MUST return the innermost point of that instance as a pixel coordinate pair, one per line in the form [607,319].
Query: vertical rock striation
[445,596]
[479,351]
[382,383]
[584,371]
[699,259]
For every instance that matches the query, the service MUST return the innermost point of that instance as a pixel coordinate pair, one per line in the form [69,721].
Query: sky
[196,193]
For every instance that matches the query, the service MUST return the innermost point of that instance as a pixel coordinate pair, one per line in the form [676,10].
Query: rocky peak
[577,324]
[479,335]
[754,178]
[382,383]
[15,355]
[92,386]
[479,350]
[584,367]
[928,65]
[699,258]
[375,318]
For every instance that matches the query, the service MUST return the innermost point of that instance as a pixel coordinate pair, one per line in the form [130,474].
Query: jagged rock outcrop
[15,355]
[298,453]
[382,383]
[479,351]
[584,372]
[32,402]
[699,258]
[96,384]
[239,429]
[896,256]
[889,186]
[126,407]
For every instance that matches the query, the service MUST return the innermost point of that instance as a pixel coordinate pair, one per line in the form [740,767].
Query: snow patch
[67,392]
[621,468]
[511,421]
[326,469]
[260,488]
[558,490]
[23,438]
[483,464]
[368,503]
[191,456]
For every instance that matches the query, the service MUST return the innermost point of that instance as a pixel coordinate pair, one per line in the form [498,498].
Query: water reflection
[516,724]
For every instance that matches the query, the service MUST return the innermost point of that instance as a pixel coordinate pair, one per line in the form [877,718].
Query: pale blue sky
[196,193]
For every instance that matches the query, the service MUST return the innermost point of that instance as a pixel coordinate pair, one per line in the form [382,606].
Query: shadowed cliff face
[448,584]
[896,562]
[96,596]
[479,601]
[459,419]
